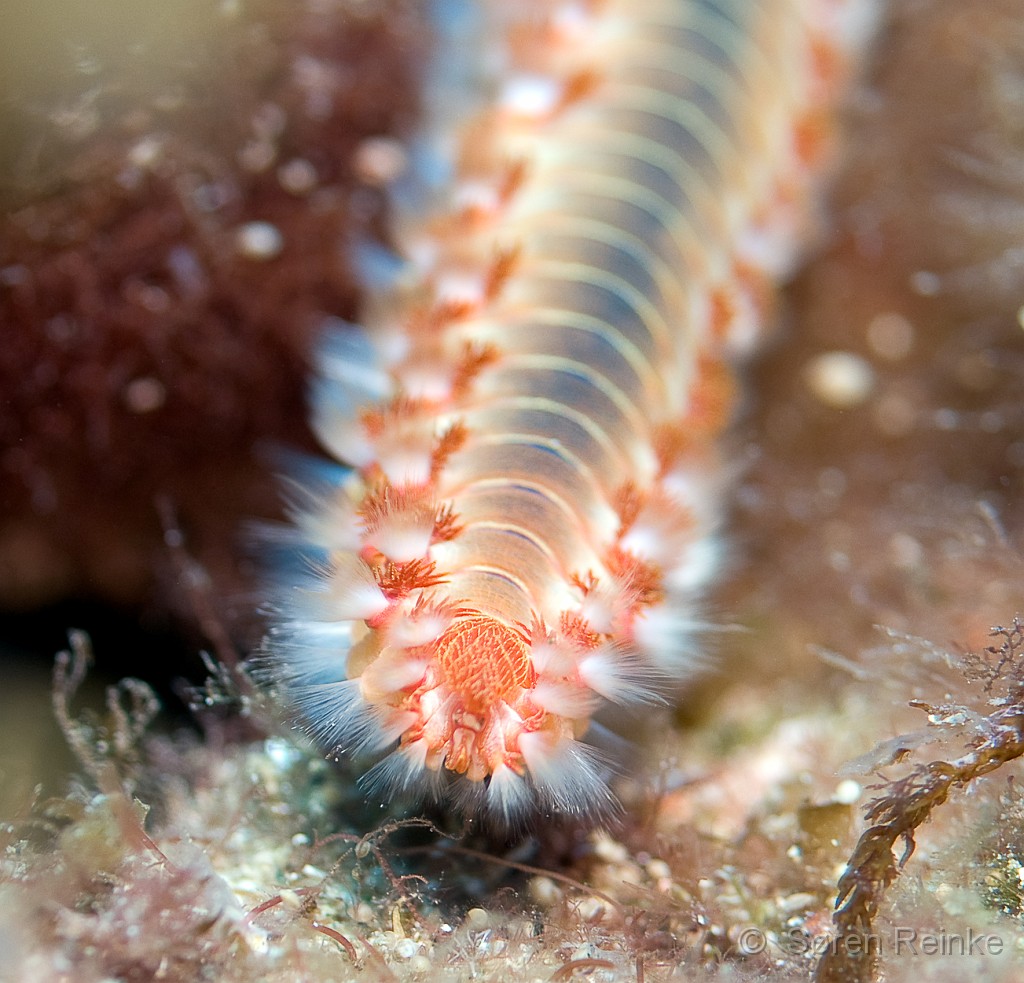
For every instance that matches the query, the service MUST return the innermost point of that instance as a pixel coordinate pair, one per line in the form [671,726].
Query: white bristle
[390,725]
[341,432]
[769,245]
[378,267]
[335,715]
[402,536]
[311,636]
[564,698]
[643,541]
[695,566]
[478,196]
[540,752]
[509,796]
[332,526]
[602,607]
[348,358]
[349,593]
[530,96]
[401,771]
[659,532]
[412,629]
[565,773]
[548,658]
[696,489]
[619,678]
[391,672]
[406,462]
[745,328]
[423,250]
[427,380]
[572,22]
[665,634]
[459,287]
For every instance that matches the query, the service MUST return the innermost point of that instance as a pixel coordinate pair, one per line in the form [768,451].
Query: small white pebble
[14,275]
[269,120]
[170,100]
[476,919]
[847,791]
[890,335]
[840,379]
[174,539]
[522,928]
[187,269]
[591,909]
[832,482]
[256,939]
[992,422]
[281,754]
[153,298]
[658,868]
[146,152]
[297,176]
[363,913]
[839,561]
[586,951]
[211,196]
[259,240]
[545,891]
[894,415]
[609,850]
[906,552]
[257,155]
[421,965]
[800,901]
[406,948]
[380,160]
[924,283]
[144,395]
[80,121]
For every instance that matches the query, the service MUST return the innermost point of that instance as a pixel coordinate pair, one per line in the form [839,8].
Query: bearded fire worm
[527,515]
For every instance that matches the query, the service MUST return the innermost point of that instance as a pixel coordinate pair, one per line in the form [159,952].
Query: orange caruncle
[531,418]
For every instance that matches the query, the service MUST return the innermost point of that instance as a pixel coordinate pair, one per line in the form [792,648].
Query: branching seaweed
[109,749]
[908,802]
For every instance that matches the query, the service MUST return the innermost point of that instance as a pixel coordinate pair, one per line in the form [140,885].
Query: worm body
[531,417]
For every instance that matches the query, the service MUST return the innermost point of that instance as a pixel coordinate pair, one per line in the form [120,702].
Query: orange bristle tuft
[446,524]
[447,444]
[400,579]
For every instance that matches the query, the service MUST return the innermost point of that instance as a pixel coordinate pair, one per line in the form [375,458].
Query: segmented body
[531,519]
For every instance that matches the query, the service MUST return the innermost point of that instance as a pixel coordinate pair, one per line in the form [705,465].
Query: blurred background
[180,186]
